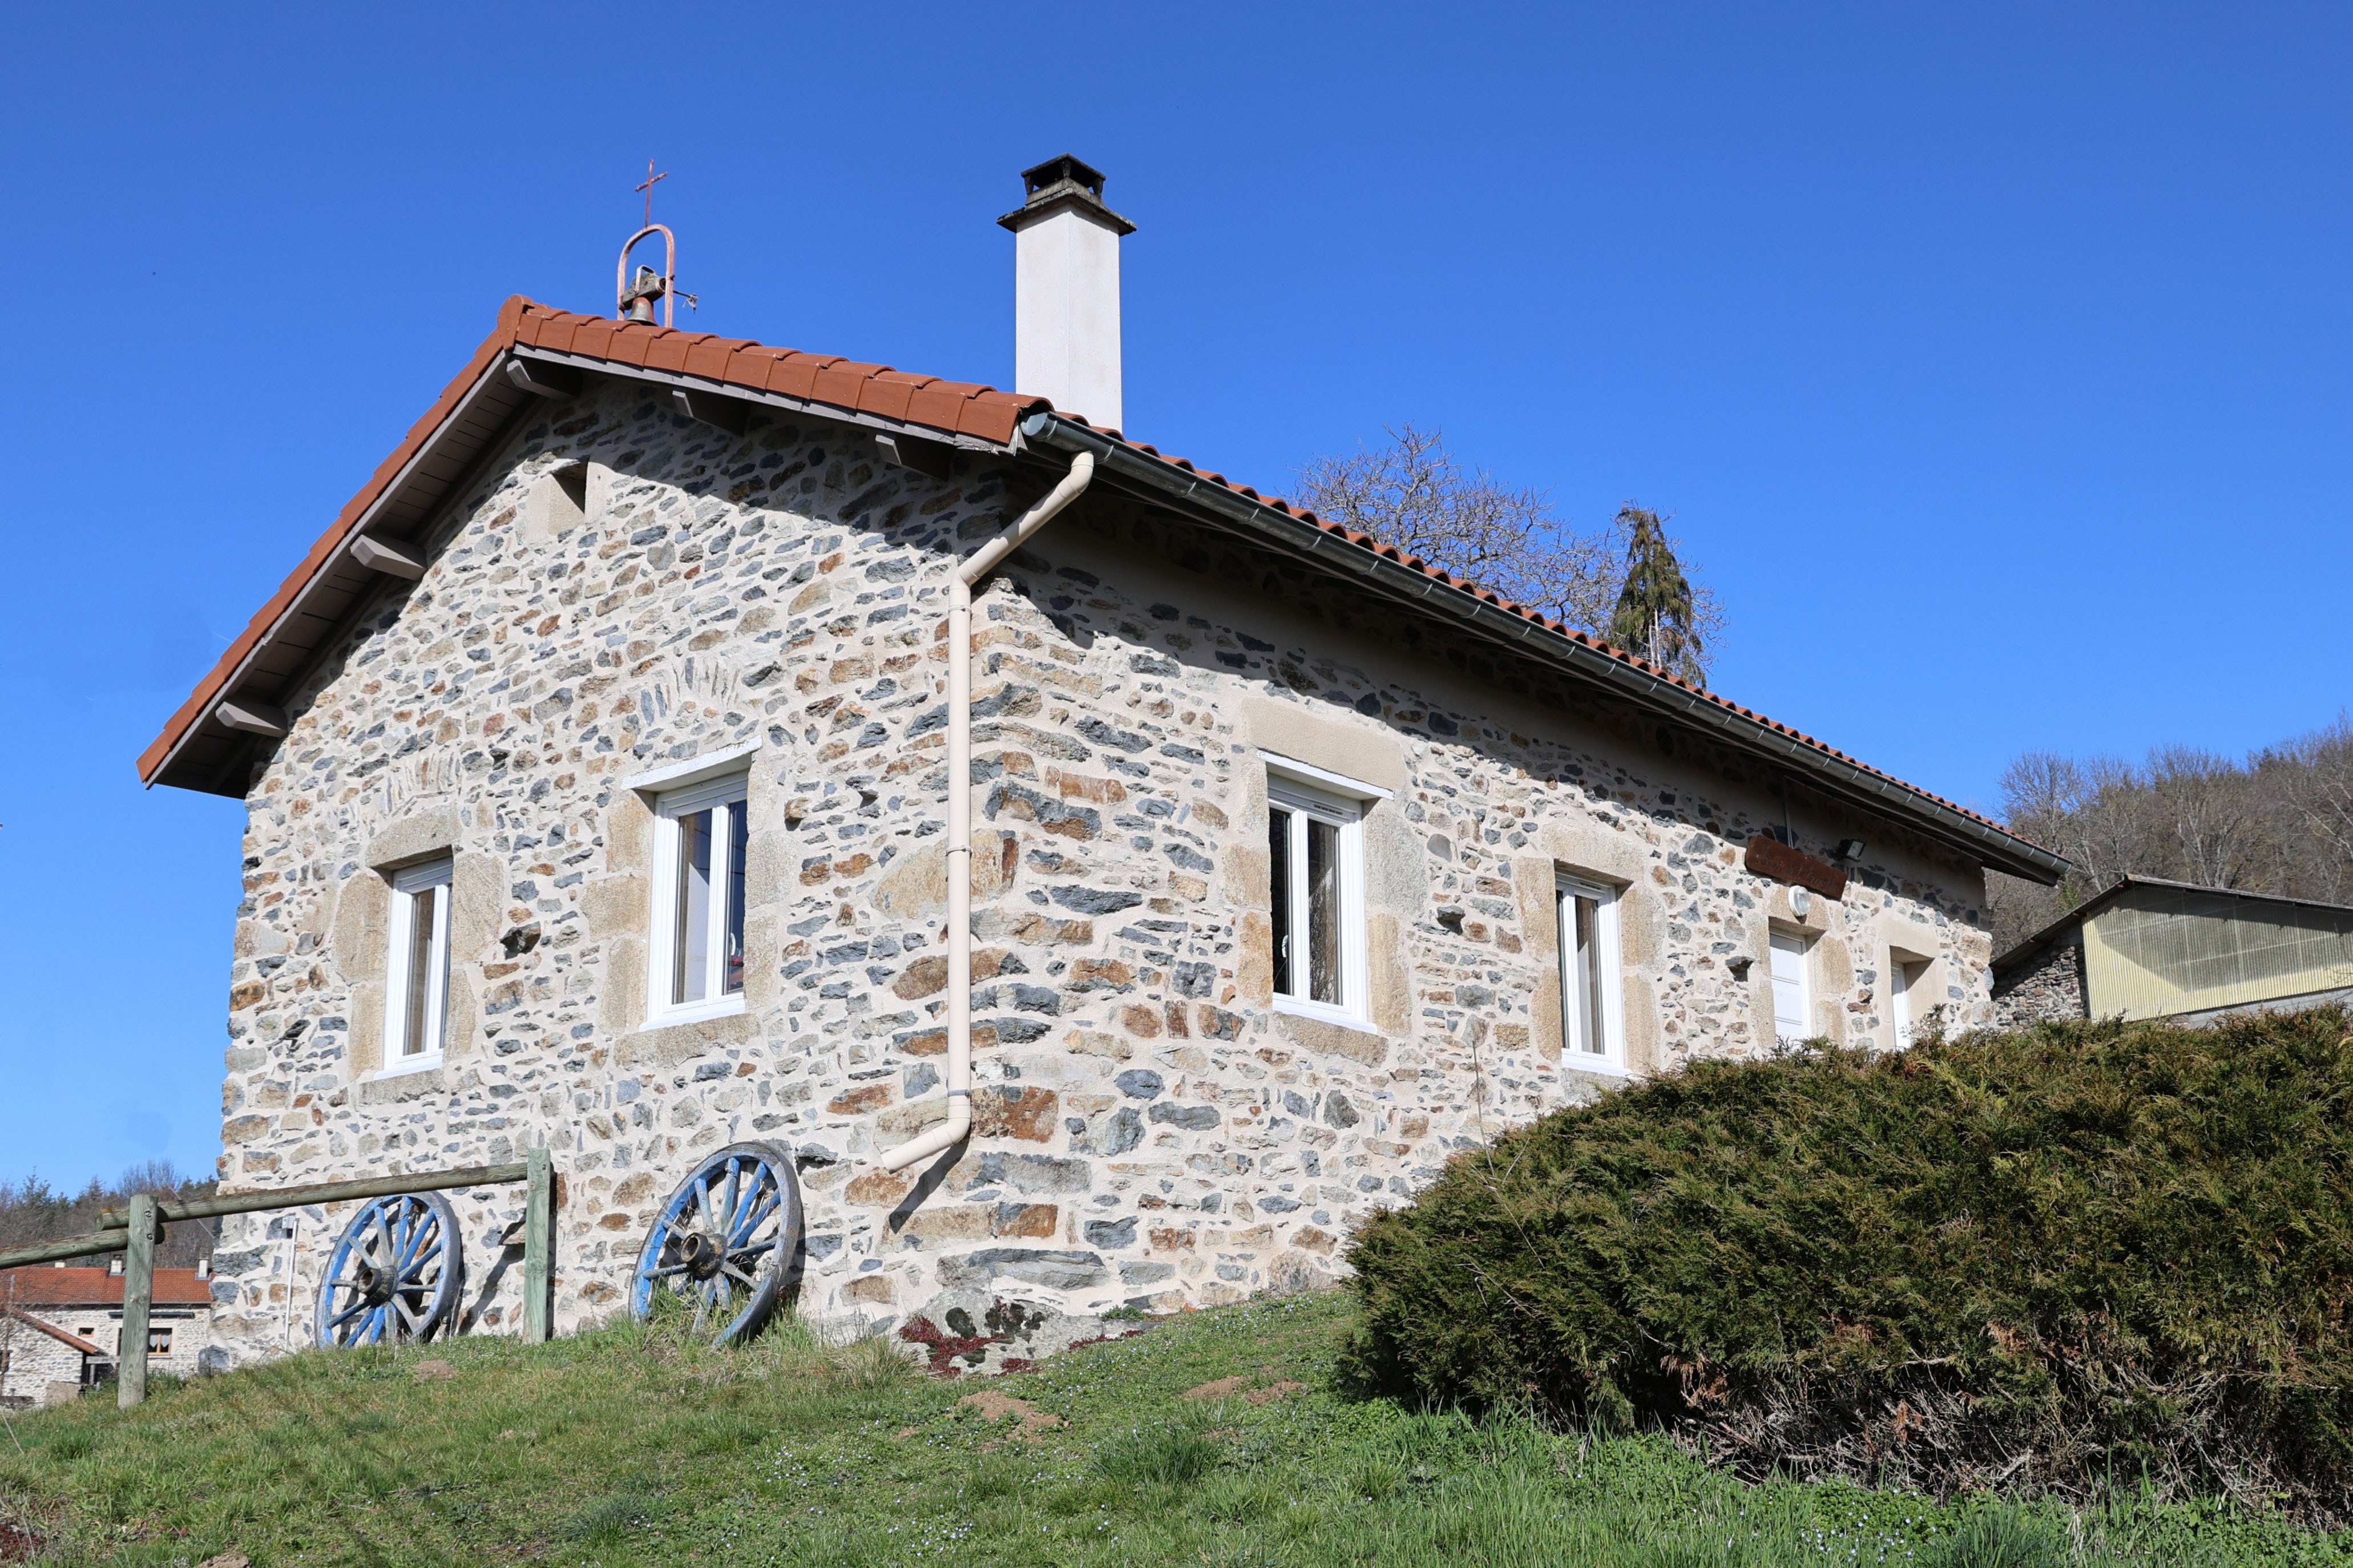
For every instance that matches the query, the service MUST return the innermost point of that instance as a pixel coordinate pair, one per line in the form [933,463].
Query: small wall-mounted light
[1850,849]
[1738,963]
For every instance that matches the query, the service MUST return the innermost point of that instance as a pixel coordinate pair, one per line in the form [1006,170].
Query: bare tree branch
[1413,493]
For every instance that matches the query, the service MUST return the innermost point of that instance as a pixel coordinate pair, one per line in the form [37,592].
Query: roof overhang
[1587,662]
[2032,948]
[537,354]
[208,743]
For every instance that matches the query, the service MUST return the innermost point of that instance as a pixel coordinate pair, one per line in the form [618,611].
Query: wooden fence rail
[133,1231]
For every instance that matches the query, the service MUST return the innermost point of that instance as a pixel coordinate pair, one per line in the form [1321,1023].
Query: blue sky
[1993,359]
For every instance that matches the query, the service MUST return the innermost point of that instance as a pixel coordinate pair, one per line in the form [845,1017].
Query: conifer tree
[1657,618]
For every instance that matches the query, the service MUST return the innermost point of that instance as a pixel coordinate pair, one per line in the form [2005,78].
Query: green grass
[630,1446]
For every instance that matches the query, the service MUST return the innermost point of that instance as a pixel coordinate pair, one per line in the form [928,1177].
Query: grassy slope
[626,1447]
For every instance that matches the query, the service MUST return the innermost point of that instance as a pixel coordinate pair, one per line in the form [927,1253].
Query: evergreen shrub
[2056,1259]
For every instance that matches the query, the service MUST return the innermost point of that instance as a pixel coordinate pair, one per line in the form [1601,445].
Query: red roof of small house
[284,636]
[42,1325]
[36,1287]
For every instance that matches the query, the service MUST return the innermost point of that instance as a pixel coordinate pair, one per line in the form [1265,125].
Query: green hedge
[2046,1260]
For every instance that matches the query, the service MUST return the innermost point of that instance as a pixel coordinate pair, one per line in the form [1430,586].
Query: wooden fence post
[138,1297]
[539,1251]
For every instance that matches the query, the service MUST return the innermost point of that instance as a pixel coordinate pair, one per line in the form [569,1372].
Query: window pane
[415,1038]
[1789,990]
[738,841]
[690,941]
[1591,1036]
[1899,986]
[1278,852]
[1323,910]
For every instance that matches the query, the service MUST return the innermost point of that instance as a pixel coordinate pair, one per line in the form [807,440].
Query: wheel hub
[375,1284]
[702,1256]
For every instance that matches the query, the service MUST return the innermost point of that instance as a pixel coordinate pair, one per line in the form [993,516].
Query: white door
[1899,998]
[1790,1005]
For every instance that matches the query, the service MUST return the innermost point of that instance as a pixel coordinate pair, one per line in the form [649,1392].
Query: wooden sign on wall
[1768,857]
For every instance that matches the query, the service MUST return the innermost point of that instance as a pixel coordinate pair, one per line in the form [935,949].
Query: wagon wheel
[724,1241]
[396,1274]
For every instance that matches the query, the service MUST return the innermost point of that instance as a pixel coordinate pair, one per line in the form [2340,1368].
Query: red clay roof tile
[670,350]
[592,336]
[888,393]
[935,403]
[709,357]
[79,1287]
[841,381]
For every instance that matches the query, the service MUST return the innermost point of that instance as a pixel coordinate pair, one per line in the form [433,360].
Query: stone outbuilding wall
[1151,1128]
[38,1367]
[35,1368]
[2052,986]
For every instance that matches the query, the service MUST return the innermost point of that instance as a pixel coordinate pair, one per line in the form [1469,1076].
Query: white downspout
[973,569]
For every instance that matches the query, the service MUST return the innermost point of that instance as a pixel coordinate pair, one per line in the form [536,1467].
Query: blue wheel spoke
[754,1213]
[703,1204]
[419,1237]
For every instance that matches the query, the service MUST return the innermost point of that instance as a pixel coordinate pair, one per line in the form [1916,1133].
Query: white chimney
[1066,291]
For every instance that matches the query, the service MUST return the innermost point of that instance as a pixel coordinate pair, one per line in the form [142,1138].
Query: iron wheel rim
[394,1274]
[725,1239]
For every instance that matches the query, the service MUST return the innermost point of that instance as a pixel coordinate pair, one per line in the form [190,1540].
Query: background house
[61,1328]
[2147,948]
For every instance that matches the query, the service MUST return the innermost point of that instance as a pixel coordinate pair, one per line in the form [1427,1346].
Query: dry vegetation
[2280,822]
[31,1210]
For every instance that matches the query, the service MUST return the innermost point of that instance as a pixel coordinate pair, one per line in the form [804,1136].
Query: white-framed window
[1792,997]
[1592,1029]
[1316,890]
[416,1000]
[701,837]
[1903,975]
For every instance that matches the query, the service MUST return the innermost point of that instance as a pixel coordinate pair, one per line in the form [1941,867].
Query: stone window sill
[407,1065]
[666,1043]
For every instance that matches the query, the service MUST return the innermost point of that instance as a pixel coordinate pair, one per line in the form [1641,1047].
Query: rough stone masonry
[1149,1128]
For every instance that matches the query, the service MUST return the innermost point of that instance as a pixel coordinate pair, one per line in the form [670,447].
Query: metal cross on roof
[649,188]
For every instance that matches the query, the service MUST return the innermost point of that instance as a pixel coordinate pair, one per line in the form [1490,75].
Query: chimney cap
[1058,184]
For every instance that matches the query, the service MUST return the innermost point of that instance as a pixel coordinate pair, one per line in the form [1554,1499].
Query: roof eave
[331,551]
[2026,948]
[1655,693]
[425,447]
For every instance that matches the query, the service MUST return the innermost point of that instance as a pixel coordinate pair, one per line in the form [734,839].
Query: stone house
[2150,948]
[596,767]
[61,1329]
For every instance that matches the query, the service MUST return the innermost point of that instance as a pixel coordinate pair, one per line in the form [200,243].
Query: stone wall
[36,1362]
[2050,987]
[1150,1129]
